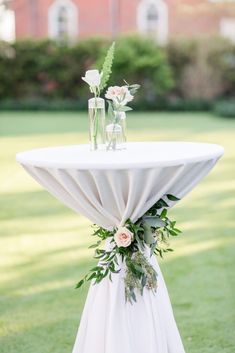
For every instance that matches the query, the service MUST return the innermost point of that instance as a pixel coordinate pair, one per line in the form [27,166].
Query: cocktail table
[109,188]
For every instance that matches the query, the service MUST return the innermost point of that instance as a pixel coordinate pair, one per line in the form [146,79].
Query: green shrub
[35,104]
[32,70]
[203,68]
[222,60]
[140,60]
[225,108]
[184,75]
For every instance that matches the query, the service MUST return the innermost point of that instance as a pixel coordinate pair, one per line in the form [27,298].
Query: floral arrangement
[133,245]
[96,80]
[117,97]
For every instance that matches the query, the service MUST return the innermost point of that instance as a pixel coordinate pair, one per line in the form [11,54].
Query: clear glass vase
[96,108]
[116,132]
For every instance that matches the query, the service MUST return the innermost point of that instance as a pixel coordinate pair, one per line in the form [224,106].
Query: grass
[43,245]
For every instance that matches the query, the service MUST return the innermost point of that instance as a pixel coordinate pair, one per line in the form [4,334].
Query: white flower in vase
[93,78]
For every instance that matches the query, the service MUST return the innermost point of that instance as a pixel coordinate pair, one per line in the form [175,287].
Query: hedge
[184,75]
[45,69]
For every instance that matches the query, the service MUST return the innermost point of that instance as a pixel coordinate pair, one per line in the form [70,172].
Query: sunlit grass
[43,245]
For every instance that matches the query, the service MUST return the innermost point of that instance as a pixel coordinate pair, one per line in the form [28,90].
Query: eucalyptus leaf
[139,268]
[124,108]
[148,234]
[154,221]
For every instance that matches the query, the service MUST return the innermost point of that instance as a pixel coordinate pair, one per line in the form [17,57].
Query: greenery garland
[128,245]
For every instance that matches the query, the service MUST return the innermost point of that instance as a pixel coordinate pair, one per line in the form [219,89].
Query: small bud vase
[116,132]
[96,109]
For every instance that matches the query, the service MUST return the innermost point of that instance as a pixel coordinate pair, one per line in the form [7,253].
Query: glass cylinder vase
[96,109]
[116,132]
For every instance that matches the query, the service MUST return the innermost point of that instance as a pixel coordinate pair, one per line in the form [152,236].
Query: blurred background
[182,52]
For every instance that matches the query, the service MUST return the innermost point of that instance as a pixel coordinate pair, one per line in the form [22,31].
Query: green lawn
[43,245]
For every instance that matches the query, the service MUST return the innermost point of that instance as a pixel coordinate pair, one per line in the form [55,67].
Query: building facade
[161,19]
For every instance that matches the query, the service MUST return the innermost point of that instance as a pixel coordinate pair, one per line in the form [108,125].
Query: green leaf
[160,204]
[110,109]
[79,284]
[95,245]
[172,197]
[148,234]
[177,230]
[140,242]
[154,221]
[96,268]
[173,233]
[164,213]
[144,281]
[153,247]
[124,108]
[93,275]
[133,89]
[107,67]
[133,296]
[138,268]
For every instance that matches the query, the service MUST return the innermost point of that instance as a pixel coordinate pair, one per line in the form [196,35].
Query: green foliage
[151,230]
[184,75]
[139,275]
[48,70]
[107,67]
[225,108]
[140,60]
[203,68]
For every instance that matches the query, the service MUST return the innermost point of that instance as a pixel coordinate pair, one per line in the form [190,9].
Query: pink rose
[123,237]
[120,95]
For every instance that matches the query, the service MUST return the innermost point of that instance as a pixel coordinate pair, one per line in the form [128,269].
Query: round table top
[137,155]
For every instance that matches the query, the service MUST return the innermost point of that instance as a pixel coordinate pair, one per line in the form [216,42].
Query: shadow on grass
[19,205]
[201,287]
[42,123]
[35,123]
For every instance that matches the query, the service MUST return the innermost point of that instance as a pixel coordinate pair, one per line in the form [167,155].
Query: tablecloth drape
[108,188]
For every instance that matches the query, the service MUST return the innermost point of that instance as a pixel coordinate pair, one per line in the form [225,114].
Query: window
[7,24]
[152,19]
[227,28]
[63,20]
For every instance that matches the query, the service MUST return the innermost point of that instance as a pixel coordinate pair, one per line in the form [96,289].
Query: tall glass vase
[116,132]
[96,108]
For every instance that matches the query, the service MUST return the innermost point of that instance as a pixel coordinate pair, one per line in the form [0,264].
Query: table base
[110,325]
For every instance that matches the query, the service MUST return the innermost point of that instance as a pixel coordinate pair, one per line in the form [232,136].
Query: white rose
[93,78]
[123,237]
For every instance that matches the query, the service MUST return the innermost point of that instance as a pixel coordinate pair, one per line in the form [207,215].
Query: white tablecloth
[108,188]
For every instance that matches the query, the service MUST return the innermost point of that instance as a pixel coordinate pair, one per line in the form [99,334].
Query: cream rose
[120,95]
[123,237]
[93,78]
